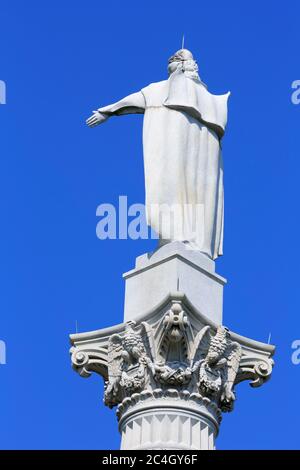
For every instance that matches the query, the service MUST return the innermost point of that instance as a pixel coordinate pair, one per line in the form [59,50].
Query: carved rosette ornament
[172,358]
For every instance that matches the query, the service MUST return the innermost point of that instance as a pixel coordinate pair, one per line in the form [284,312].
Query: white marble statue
[183,126]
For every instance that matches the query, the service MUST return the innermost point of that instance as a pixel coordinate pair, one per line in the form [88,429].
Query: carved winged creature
[217,359]
[211,364]
[127,361]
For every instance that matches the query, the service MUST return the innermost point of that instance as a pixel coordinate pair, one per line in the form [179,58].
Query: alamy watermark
[174,222]
[2,352]
[2,92]
[295,98]
[296,353]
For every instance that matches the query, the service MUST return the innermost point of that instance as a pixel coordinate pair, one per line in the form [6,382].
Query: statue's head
[184,60]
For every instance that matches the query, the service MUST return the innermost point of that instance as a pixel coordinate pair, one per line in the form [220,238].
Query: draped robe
[182,130]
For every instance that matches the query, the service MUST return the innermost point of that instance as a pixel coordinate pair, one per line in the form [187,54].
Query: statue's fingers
[93,124]
[91,120]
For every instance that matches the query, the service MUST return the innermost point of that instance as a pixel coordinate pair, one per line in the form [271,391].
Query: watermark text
[295,98]
[2,92]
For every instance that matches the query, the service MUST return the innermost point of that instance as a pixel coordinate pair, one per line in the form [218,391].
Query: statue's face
[191,65]
[186,65]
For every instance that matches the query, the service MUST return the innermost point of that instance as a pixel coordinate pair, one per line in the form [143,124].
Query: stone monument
[171,368]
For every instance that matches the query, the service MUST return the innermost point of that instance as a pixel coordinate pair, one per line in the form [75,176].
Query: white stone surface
[174,267]
[183,127]
[171,374]
[171,368]
[170,427]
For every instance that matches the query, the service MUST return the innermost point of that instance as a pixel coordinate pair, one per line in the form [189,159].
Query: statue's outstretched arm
[132,104]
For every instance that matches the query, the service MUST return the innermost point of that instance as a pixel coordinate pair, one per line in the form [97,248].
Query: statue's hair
[181,56]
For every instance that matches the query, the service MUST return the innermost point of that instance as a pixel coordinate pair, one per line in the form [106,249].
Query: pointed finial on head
[269,339]
[182,44]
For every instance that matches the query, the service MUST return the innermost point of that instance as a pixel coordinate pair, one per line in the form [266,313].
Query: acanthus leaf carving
[142,357]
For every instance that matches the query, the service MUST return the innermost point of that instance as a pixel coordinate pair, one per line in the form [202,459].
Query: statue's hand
[96,118]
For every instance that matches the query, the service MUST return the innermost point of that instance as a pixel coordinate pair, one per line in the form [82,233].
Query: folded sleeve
[131,104]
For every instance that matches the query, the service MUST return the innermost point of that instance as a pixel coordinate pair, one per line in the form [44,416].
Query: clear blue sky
[60,60]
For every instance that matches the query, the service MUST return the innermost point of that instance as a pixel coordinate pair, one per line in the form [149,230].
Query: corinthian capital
[173,349]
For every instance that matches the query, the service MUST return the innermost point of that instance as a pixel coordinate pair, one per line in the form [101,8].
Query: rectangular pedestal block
[174,268]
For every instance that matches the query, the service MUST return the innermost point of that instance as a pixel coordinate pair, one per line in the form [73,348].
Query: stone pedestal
[174,267]
[171,368]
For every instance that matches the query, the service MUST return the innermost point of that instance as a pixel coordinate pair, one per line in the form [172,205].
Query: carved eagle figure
[217,359]
[124,352]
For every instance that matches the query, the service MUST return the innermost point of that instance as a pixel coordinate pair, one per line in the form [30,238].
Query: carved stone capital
[175,352]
